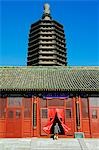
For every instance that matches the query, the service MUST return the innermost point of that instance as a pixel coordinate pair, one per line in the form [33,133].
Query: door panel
[95,122]
[44,119]
[28,122]
[94,116]
[14,122]
[10,123]
[85,122]
[69,116]
[18,122]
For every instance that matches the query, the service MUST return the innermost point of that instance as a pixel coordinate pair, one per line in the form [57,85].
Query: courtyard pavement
[49,144]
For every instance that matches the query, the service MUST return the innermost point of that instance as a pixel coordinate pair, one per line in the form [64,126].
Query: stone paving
[48,144]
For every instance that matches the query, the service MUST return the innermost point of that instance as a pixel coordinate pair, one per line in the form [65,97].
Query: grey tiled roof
[49,78]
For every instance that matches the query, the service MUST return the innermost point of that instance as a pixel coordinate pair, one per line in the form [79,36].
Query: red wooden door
[95,122]
[69,117]
[84,117]
[14,122]
[18,122]
[44,119]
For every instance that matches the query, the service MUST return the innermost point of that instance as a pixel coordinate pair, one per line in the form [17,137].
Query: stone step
[48,144]
[82,144]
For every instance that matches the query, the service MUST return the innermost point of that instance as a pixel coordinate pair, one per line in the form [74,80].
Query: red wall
[88,121]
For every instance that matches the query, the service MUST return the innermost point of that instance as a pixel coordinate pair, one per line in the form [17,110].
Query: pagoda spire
[46,14]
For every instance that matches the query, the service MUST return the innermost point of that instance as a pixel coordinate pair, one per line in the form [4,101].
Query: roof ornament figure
[46,13]
[46,8]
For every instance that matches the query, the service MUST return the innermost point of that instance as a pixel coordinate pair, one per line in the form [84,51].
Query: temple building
[34,97]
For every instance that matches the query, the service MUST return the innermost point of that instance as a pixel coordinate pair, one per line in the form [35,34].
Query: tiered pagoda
[46,45]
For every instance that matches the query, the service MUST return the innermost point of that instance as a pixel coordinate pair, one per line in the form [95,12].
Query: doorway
[65,116]
[56,120]
[54,116]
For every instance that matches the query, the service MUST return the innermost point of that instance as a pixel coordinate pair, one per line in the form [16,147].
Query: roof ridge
[52,67]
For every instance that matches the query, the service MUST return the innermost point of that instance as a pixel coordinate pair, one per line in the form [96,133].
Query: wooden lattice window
[10,114]
[69,107]
[68,113]
[42,103]
[69,102]
[2,107]
[44,113]
[14,101]
[56,102]
[94,114]
[18,114]
[94,101]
